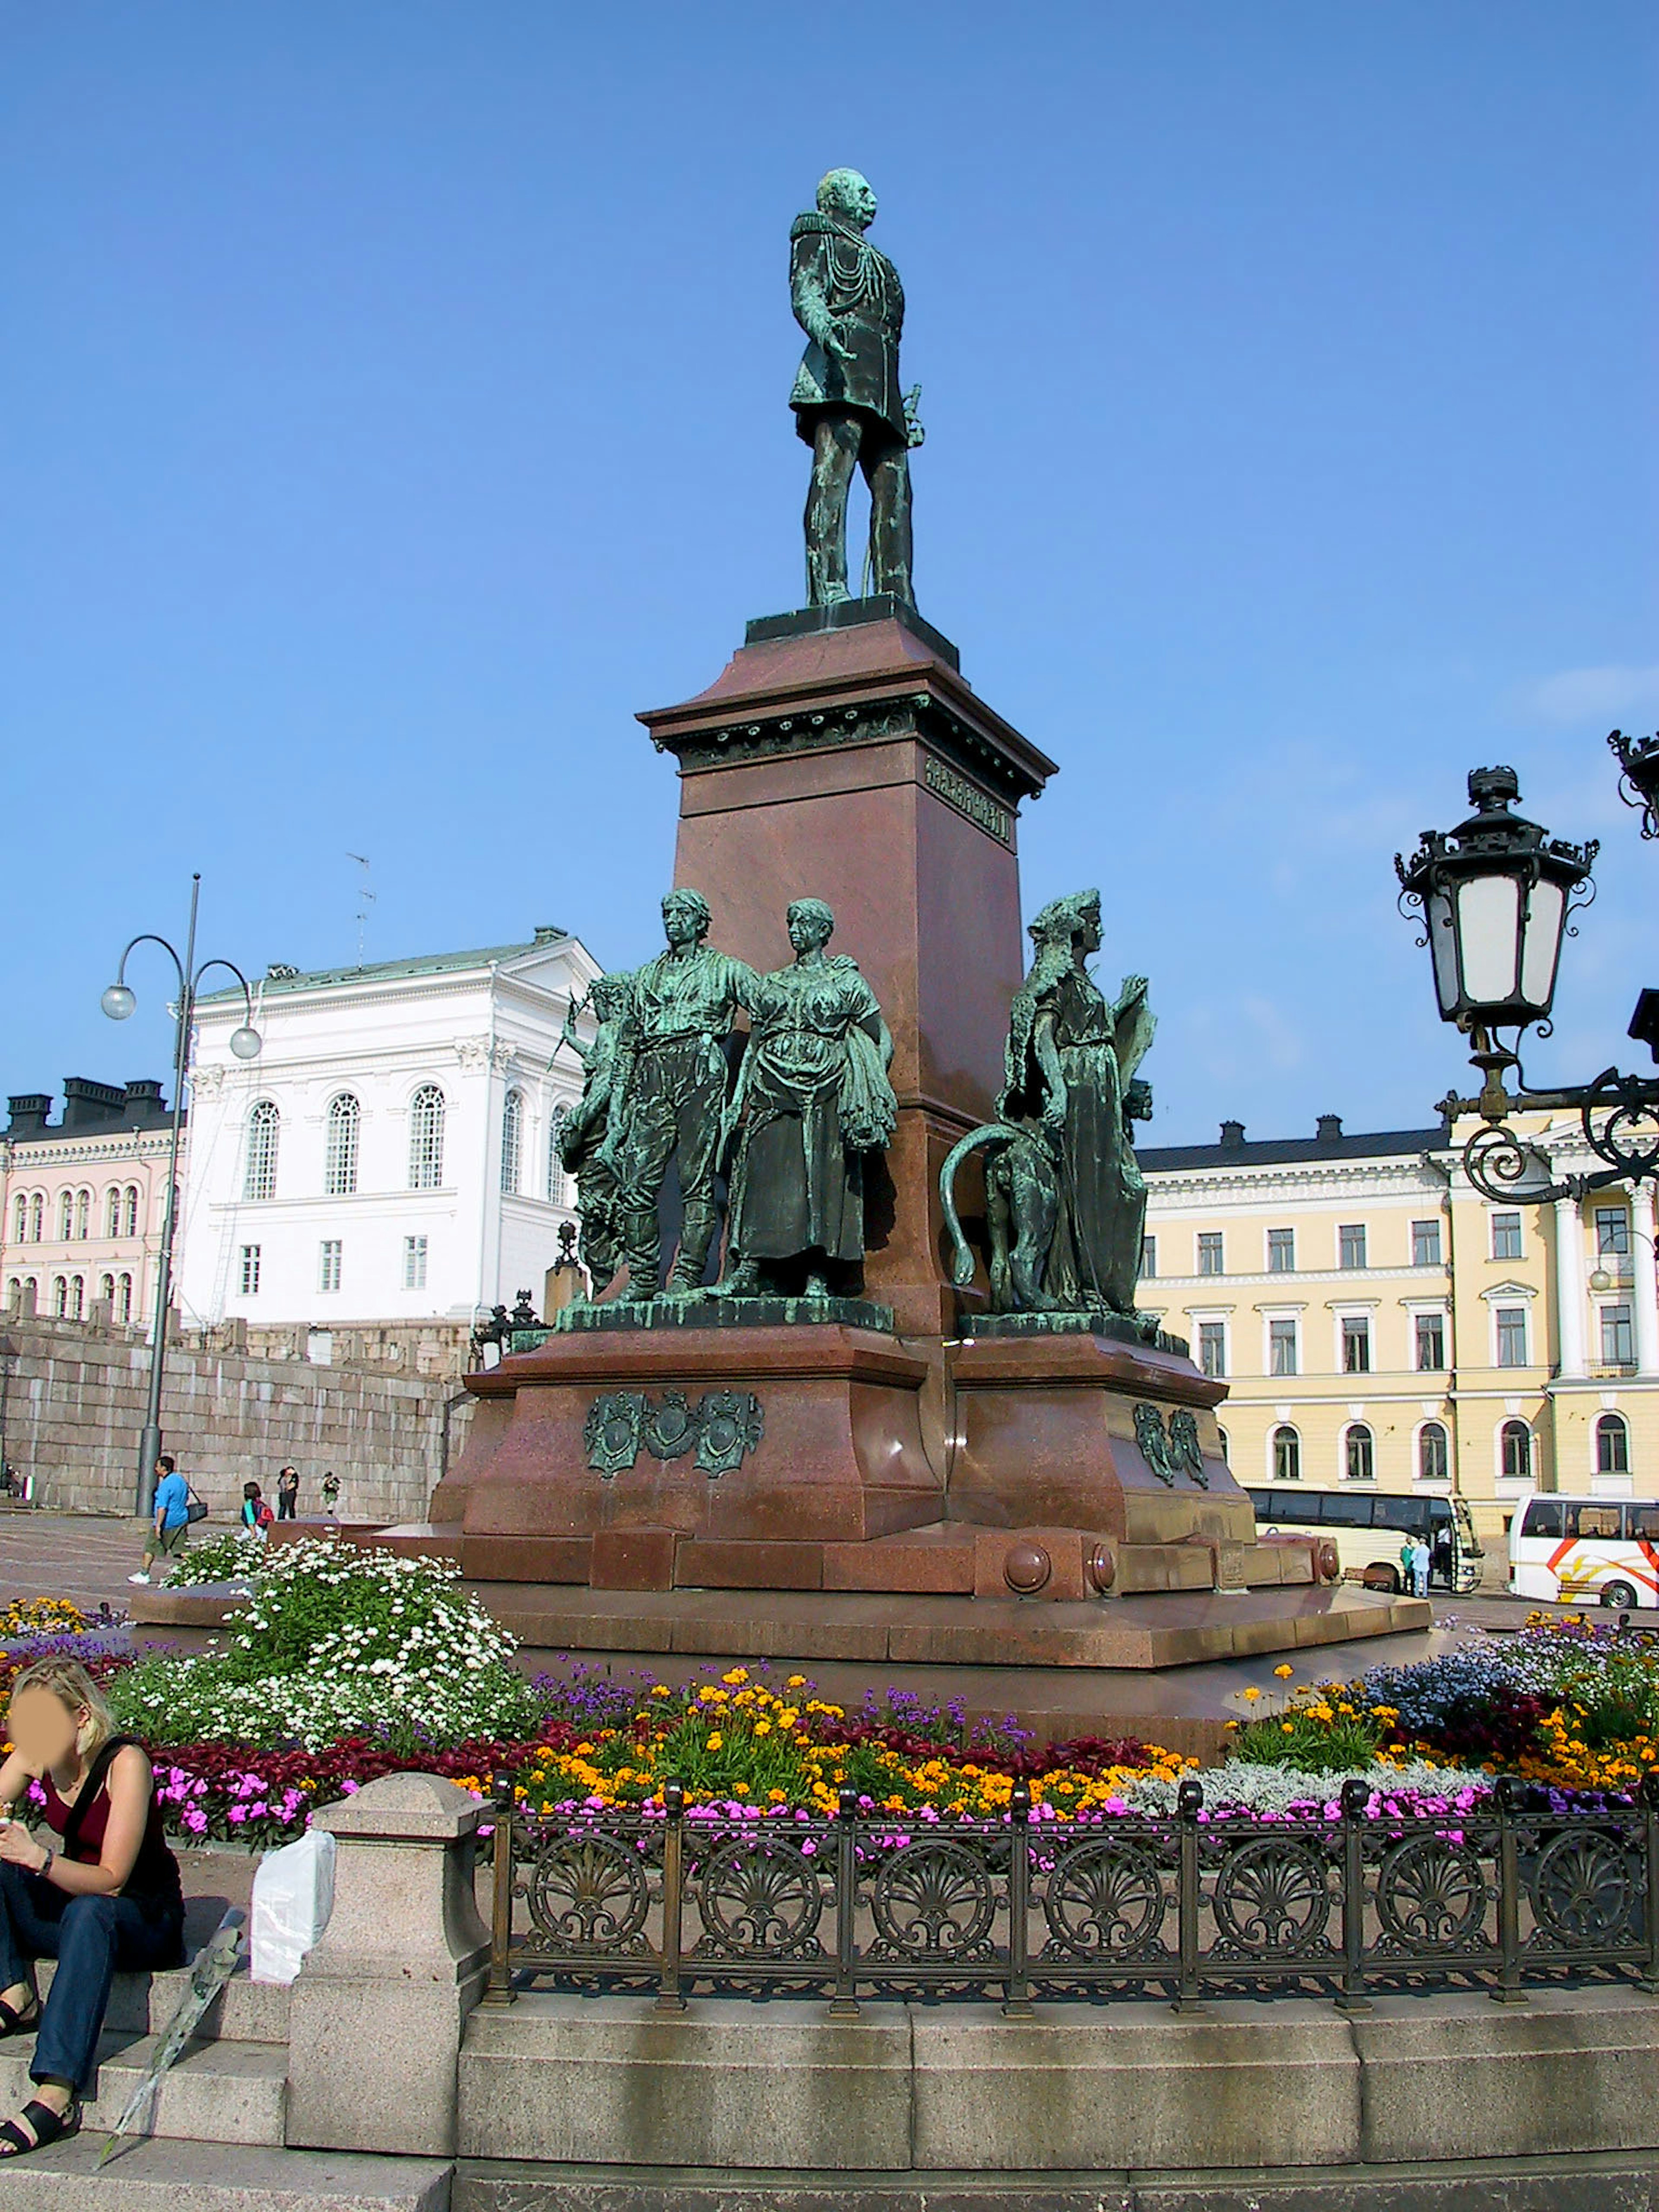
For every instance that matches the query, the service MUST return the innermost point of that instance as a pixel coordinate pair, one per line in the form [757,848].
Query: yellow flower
[1283,1672]
[796,1682]
[738,1674]
[763,1728]
[1288,1727]
[1252,1695]
[716,1740]
[660,1690]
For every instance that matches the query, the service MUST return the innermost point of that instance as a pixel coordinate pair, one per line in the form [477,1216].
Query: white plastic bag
[292,1897]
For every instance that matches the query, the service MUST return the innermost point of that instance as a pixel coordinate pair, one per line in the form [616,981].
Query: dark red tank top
[154,1882]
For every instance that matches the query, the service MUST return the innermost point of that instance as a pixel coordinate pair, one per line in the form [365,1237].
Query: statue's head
[811,925]
[846,196]
[1072,923]
[611,996]
[685,917]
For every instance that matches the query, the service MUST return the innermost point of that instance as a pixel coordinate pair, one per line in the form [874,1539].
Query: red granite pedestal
[908,1488]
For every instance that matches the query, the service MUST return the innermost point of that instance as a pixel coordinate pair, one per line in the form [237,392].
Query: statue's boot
[642,1251]
[743,1281]
[692,1261]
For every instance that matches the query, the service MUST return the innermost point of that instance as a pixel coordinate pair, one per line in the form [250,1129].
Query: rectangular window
[1506,1236]
[1512,1335]
[414,1263]
[1281,1251]
[328,1266]
[1351,1244]
[1431,1338]
[1209,1252]
[1356,1344]
[1426,1243]
[1149,1255]
[1281,1347]
[250,1275]
[1213,1346]
[1612,1230]
[1617,1345]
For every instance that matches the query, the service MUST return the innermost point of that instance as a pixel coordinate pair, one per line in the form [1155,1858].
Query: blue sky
[392,401]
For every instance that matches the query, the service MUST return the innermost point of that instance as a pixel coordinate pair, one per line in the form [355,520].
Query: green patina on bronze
[669,1095]
[1066,1200]
[722,1430]
[812,1100]
[849,404]
[582,1140]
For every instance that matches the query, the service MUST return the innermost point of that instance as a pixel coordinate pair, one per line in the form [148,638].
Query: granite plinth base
[710,1312]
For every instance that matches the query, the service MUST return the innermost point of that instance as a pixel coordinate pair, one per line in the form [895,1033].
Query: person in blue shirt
[172,1514]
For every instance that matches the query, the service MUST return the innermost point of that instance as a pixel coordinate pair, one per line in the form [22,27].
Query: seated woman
[106,1896]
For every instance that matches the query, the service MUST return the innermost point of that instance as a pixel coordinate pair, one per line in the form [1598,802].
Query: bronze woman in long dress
[1072,1058]
[812,1099]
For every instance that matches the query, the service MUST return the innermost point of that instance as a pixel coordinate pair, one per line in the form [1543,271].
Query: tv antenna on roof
[365,900]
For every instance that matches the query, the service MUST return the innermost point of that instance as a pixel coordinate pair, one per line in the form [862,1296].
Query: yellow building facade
[1381,1323]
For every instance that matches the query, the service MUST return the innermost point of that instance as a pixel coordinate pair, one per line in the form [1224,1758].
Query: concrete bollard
[380,2004]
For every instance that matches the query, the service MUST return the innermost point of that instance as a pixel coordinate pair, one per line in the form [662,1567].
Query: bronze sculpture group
[811,1101]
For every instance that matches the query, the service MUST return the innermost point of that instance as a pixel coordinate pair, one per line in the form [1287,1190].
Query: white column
[1645,1294]
[1570,1285]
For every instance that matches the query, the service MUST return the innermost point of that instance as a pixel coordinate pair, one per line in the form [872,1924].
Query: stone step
[194,2177]
[143,2004]
[217,2093]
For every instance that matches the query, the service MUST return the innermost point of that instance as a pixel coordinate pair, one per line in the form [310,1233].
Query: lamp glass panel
[1489,933]
[1546,911]
[1442,946]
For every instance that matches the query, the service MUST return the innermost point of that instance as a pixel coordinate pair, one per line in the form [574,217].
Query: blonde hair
[74,1688]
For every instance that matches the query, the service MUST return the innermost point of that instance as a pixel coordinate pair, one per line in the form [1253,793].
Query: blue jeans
[90,1937]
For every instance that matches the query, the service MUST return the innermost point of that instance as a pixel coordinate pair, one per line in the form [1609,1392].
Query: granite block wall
[72,1403]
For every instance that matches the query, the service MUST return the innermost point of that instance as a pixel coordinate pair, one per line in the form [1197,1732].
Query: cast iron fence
[1518,1890]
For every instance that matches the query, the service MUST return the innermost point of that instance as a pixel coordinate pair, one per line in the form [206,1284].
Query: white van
[1605,1550]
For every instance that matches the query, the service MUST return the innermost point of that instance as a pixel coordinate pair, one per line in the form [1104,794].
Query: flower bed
[346,1663]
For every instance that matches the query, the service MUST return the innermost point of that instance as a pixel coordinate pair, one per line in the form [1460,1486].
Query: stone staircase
[215,2142]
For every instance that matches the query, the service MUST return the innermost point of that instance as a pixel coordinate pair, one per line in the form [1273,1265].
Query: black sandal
[13,2022]
[49,2127]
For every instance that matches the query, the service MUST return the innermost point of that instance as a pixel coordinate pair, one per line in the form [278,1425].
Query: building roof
[279,978]
[90,1110]
[1235,1149]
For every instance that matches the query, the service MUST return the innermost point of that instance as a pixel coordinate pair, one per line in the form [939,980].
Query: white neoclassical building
[390,1158]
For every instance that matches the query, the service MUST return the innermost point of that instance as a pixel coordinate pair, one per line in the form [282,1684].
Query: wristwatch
[46,1864]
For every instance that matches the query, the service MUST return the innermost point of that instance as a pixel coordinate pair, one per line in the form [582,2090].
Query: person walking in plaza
[256,1513]
[288,1492]
[103,1896]
[331,1493]
[172,1519]
[1420,1558]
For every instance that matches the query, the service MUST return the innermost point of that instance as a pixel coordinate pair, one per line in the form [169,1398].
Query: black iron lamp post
[117,1002]
[1494,896]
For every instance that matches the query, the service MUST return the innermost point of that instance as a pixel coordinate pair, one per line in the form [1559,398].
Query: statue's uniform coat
[860,289]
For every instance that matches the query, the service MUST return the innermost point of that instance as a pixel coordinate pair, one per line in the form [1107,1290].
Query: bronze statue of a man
[848,407]
[672,1092]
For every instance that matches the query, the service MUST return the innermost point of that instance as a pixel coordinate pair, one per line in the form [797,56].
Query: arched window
[340,1152]
[59,1295]
[512,1139]
[113,1211]
[264,1125]
[77,1297]
[1433,1453]
[426,1139]
[1516,1443]
[107,1291]
[66,1217]
[83,1214]
[1612,1445]
[14,1291]
[555,1121]
[131,1225]
[1221,1440]
[38,1217]
[1360,1455]
[21,1218]
[1287,1455]
[124,1299]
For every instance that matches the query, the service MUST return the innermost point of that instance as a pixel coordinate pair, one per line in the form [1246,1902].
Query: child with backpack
[256,1513]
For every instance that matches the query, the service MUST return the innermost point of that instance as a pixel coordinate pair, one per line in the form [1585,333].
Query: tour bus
[1369,1528]
[1605,1549]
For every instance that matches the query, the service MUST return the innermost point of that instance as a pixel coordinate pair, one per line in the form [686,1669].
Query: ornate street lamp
[117,1002]
[1494,896]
